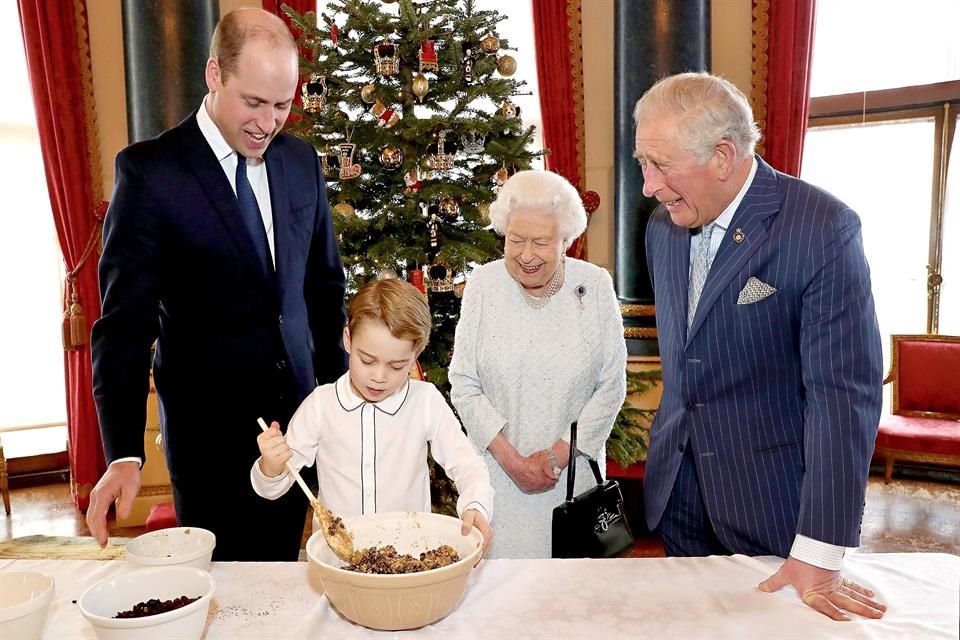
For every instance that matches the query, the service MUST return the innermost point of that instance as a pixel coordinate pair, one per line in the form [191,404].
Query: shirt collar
[350,400]
[212,133]
[724,220]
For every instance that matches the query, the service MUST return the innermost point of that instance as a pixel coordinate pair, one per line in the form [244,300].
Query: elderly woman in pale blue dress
[539,345]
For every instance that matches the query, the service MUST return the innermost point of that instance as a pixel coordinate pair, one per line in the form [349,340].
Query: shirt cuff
[265,478]
[130,459]
[819,554]
[478,507]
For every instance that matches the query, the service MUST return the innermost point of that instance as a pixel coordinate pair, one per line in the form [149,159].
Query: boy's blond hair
[396,304]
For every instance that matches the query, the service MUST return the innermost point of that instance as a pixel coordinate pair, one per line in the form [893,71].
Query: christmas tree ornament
[420,86]
[441,278]
[484,210]
[490,44]
[433,233]
[416,279]
[448,209]
[591,200]
[442,153]
[368,93]
[344,209]
[459,288]
[501,176]
[510,111]
[314,93]
[330,163]
[470,54]
[386,58]
[385,117]
[506,65]
[348,169]
[391,158]
[334,32]
[472,142]
[428,56]
[412,182]
[387,273]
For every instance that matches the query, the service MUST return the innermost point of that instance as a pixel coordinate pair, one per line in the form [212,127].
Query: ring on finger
[847,582]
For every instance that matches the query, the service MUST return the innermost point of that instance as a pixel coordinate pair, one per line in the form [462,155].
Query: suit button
[280,319]
[281,365]
[680,447]
[691,406]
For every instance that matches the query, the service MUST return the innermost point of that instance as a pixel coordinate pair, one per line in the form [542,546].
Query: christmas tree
[409,106]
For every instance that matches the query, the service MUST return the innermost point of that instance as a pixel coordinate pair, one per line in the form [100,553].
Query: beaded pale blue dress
[528,373]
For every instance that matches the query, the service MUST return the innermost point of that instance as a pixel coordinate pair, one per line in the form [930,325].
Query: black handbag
[593,524]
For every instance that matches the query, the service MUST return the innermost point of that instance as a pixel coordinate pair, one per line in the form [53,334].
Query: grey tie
[251,215]
[698,271]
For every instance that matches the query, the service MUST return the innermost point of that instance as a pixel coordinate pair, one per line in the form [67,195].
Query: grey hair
[709,109]
[543,192]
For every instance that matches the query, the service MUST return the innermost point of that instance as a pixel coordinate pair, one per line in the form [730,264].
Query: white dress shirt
[372,457]
[256,171]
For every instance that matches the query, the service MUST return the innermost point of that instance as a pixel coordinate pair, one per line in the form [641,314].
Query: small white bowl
[25,598]
[187,546]
[122,592]
[402,601]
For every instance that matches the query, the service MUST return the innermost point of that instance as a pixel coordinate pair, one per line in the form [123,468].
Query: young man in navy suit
[218,245]
[769,347]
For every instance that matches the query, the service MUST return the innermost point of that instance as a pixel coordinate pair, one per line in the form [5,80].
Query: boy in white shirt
[368,431]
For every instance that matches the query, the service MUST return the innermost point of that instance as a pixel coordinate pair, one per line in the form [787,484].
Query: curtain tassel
[74,322]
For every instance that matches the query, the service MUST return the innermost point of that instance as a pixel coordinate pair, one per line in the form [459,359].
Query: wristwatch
[553,461]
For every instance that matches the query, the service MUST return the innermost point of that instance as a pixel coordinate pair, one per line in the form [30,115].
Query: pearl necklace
[535,302]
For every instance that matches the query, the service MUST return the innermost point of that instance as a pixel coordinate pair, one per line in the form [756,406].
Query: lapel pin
[739,236]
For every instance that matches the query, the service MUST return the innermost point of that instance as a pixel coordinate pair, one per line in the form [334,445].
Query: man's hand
[274,451]
[473,518]
[122,480]
[824,590]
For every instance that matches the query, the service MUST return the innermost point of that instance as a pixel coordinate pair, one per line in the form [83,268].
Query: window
[32,389]
[883,115]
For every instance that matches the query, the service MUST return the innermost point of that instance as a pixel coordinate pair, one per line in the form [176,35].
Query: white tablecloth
[630,598]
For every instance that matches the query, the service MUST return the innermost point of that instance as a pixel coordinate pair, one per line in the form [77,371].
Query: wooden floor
[918,511]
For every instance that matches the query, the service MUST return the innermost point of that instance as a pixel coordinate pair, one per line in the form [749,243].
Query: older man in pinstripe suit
[769,345]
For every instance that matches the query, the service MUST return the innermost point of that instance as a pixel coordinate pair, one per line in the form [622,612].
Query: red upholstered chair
[924,424]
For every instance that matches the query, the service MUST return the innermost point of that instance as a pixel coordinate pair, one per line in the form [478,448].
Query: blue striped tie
[251,215]
[699,270]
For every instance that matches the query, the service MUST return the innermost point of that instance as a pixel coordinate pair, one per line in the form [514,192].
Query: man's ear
[213,74]
[726,158]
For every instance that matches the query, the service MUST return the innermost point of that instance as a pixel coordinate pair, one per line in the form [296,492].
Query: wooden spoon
[336,535]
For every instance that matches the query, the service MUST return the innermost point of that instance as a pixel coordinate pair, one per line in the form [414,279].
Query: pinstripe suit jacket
[779,399]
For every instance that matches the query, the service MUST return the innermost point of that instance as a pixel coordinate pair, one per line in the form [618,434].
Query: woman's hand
[533,473]
[274,451]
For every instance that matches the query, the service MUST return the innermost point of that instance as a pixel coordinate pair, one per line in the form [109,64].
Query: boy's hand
[473,518]
[274,451]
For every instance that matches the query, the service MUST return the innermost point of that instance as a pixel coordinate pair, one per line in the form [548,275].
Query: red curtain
[557,34]
[301,7]
[782,52]
[58,61]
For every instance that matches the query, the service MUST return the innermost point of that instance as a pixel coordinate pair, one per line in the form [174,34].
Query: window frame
[940,101]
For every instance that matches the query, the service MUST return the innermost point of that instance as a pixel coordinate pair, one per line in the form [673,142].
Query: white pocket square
[754,291]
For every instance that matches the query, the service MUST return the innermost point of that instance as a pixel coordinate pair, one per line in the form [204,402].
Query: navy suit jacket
[232,343]
[780,399]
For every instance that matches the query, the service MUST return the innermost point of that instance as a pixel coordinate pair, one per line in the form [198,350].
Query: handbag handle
[572,465]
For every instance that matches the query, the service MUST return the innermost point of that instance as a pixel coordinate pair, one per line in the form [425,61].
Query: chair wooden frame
[889,455]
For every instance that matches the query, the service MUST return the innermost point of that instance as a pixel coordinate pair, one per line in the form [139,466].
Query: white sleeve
[599,413]
[303,435]
[456,454]
[481,420]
